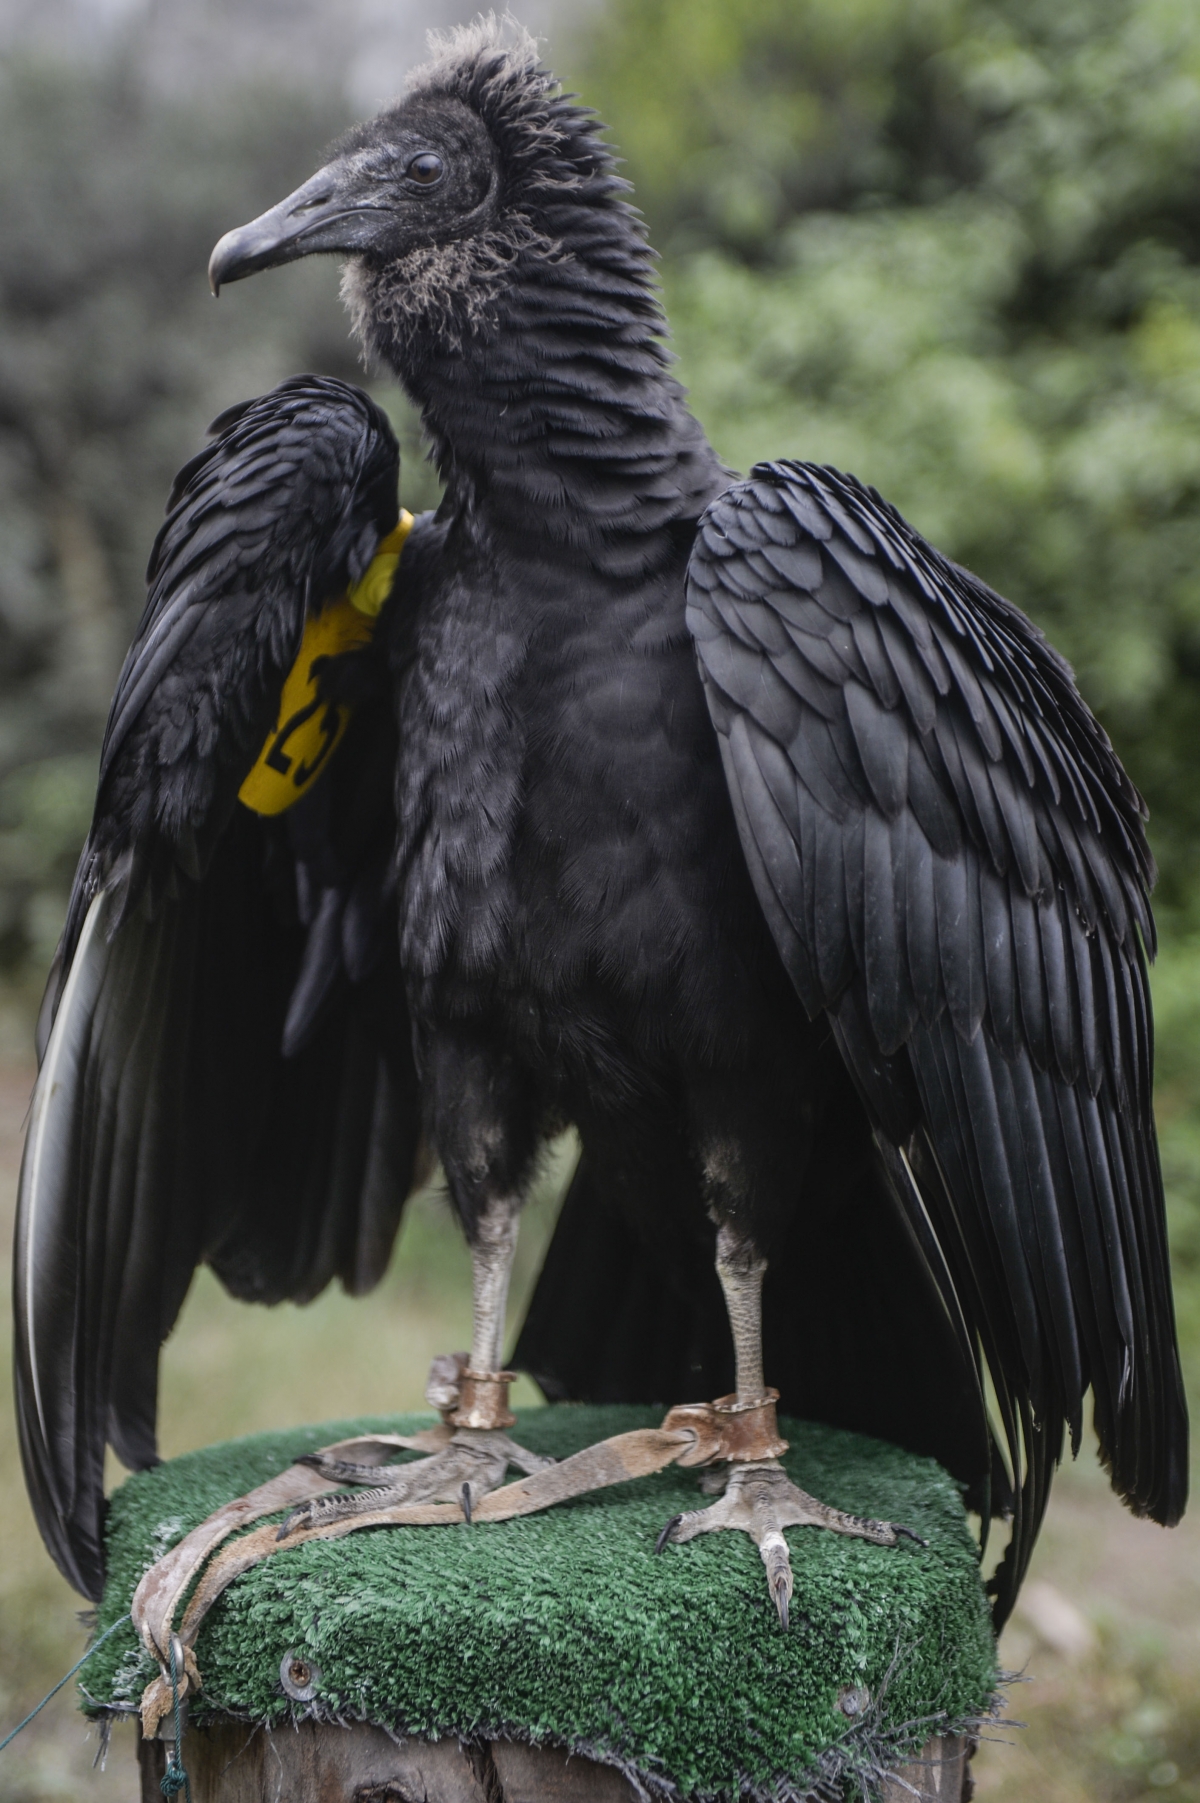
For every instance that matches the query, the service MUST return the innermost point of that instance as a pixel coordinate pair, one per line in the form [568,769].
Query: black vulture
[731,823]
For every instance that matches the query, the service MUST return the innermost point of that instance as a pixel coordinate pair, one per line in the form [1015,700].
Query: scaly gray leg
[471,1396]
[759,1497]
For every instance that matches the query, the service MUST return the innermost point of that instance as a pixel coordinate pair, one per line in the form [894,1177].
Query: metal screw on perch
[300,1677]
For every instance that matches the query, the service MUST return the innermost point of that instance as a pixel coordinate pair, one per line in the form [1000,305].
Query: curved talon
[667,1532]
[294,1518]
[773,1549]
[466,1503]
[886,1533]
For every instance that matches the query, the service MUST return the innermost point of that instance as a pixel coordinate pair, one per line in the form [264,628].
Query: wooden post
[236,1762]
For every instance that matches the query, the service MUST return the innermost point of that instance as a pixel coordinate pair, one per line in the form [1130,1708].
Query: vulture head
[482,183]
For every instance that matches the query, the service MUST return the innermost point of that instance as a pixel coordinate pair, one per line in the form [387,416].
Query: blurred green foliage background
[951,245]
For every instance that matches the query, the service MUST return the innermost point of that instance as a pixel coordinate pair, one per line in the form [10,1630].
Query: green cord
[94,1648]
[175,1778]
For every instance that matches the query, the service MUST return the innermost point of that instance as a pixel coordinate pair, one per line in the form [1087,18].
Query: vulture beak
[331,212]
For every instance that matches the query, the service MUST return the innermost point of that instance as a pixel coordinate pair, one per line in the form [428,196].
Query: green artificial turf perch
[565,1629]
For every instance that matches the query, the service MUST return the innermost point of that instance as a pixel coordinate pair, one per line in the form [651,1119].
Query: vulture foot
[472,1464]
[761,1500]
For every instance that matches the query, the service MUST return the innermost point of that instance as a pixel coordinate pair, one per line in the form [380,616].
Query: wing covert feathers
[265,526]
[954,867]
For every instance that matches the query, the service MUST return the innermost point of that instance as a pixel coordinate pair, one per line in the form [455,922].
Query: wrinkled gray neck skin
[535,351]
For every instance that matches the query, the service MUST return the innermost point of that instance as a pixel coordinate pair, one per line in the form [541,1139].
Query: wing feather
[959,871]
[170,1122]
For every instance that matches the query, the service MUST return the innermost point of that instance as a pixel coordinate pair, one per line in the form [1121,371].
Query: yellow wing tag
[309,730]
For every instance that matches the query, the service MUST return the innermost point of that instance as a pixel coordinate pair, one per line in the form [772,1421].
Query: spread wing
[227,1075]
[954,868]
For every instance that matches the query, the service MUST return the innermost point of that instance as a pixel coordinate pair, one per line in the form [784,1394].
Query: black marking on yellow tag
[308,729]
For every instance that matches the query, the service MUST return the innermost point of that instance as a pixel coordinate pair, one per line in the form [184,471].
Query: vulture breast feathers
[953,866]
[219,1080]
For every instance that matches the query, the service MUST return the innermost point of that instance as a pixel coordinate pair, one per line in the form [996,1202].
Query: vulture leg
[759,1497]
[471,1395]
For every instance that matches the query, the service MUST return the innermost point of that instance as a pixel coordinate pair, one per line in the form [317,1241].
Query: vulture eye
[425,169]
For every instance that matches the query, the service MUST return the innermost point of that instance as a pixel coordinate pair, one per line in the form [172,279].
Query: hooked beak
[329,213]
